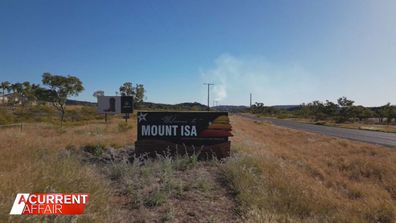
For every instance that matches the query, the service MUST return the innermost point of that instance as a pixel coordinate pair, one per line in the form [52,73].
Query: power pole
[250,100]
[209,84]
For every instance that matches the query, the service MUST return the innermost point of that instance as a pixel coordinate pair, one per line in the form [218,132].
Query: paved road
[381,138]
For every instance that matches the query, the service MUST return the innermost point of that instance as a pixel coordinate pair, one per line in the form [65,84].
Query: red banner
[49,204]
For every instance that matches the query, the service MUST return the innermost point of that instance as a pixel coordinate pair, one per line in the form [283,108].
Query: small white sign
[109,104]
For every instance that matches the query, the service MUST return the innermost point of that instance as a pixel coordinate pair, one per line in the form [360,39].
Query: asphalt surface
[380,138]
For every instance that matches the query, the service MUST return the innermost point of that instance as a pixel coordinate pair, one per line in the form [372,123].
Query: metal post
[209,84]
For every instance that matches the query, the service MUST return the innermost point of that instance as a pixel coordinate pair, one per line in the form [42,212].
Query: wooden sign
[207,132]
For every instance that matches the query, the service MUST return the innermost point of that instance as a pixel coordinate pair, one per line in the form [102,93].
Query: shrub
[123,127]
[94,149]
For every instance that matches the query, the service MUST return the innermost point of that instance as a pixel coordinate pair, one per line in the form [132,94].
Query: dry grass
[32,161]
[171,190]
[278,174]
[160,190]
[287,175]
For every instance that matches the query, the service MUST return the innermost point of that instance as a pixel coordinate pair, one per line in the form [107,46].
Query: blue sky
[284,52]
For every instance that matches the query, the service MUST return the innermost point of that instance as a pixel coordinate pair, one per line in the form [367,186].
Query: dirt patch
[205,200]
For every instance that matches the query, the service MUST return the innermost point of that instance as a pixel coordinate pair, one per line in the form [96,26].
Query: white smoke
[235,78]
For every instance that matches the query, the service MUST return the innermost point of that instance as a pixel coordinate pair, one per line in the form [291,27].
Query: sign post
[126,106]
[203,133]
[115,105]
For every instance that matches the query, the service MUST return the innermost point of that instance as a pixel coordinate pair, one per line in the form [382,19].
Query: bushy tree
[27,93]
[139,97]
[392,114]
[346,109]
[138,92]
[5,86]
[17,89]
[126,89]
[387,111]
[60,88]
[257,108]
[317,110]
[331,109]
[362,113]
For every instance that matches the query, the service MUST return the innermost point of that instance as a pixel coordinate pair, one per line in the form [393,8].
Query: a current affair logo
[54,203]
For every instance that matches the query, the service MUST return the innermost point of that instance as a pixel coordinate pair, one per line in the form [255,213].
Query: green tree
[27,94]
[389,112]
[32,93]
[346,109]
[363,113]
[139,97]
[5,85]
[392,114]
[60,88]
[317,110]
[303,111]
[330,109]
[127,89]
[257,108]
[17,89]
[344,102]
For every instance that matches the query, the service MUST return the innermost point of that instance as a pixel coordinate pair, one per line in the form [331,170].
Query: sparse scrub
[5,117]
[123,127]
[44,171]
[185,162]
[263,187]
[75,115]
[155,198]
[282,175]
[94,149]
[41,159]
[156,185]
[275,174]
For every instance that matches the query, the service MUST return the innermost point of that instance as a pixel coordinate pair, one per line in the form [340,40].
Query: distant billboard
[115,104]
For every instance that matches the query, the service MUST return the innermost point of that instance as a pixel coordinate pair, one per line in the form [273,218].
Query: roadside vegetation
[273,175]
[284,175]
[55,92]
[34,160]
[50,103]
[74,115]
[343,113]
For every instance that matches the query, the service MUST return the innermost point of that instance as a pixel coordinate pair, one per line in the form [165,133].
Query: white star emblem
[142,117]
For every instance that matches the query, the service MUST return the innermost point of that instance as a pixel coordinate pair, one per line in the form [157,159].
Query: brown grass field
[274,175]
[300,176]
